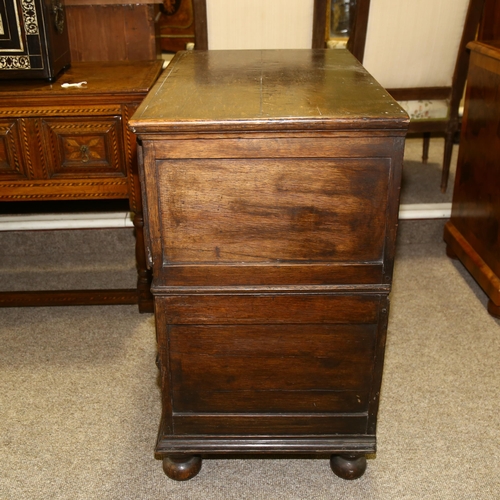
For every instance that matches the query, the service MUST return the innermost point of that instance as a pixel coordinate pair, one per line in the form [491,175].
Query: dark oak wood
[271,180]
[447,127]
[201,27]
[181,467]
[348,466]
[71,143]
[473,232]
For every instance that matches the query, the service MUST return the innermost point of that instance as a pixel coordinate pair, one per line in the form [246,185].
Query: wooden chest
[473,232]
[272,187]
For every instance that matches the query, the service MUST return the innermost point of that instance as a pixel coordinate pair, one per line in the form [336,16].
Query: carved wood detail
[9,132]
[50,111]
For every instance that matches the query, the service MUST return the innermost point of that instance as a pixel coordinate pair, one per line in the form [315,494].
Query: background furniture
[489,28]
[33,39]
[416,50]
[271,181]
[73,143]
[259,24]
[113,30]
[176,24]
[473,232]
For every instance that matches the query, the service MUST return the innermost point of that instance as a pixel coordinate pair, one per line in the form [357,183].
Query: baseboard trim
[425,211]
[44,222]
[115,220]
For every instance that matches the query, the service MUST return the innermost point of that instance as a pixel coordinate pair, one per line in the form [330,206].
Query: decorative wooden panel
[11,164]
[84,146]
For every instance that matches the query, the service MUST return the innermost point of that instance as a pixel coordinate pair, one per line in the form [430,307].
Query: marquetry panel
[87,146]
[63,190]
[11,164]
[45,111]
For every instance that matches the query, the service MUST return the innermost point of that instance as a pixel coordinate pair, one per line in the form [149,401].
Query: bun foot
[493,309]
[348,466]
[181,467]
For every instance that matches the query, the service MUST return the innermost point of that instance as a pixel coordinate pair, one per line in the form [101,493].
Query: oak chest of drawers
[73,143]
[271,180]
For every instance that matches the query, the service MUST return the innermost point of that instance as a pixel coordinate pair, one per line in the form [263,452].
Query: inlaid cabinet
[60,142]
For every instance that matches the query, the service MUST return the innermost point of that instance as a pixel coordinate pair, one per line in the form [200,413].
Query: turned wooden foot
[493,309]
[348,466]
[450,253]
[181,467]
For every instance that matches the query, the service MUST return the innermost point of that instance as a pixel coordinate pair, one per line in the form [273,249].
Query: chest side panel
[225,207]
[270,210]
[269,363]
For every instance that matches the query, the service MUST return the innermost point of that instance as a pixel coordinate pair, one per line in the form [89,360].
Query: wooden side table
[73,143]
[271,181]
[473,232]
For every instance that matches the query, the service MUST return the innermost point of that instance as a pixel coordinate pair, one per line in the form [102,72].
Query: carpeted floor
[80,403]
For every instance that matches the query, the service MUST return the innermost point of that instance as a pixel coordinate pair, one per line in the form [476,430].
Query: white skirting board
[44,222]
[425,211]
[114,220]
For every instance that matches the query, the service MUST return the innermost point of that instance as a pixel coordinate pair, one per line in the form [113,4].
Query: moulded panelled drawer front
[269,364]
[271,368]
[236,211]
[84,146]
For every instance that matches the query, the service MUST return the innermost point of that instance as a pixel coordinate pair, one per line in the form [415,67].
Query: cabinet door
[12,165]
[84,147]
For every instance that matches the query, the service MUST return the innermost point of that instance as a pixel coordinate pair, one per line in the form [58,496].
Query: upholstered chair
[417,50]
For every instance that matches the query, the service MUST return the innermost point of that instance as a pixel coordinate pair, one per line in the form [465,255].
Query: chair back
[259,24]
[414,43]
[416,49]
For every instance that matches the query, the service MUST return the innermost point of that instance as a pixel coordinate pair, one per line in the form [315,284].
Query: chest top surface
[267,90]
[117,78]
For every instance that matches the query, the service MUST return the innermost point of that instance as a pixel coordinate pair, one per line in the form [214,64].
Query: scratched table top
[266,89]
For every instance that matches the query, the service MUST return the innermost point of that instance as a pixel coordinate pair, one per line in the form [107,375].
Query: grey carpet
[80,404]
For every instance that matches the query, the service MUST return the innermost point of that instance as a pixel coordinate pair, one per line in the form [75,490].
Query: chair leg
[448,150]
[425,151]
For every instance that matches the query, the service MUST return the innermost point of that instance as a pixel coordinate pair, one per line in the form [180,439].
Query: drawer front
[269,364]
[12,165]
[84,147]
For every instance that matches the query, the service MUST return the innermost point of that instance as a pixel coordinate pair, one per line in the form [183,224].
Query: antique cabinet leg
[493,309]
[450,253]
[181,467]
[348,466]
[146,303]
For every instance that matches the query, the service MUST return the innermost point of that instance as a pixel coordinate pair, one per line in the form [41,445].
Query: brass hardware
[58,11]
[84,150]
